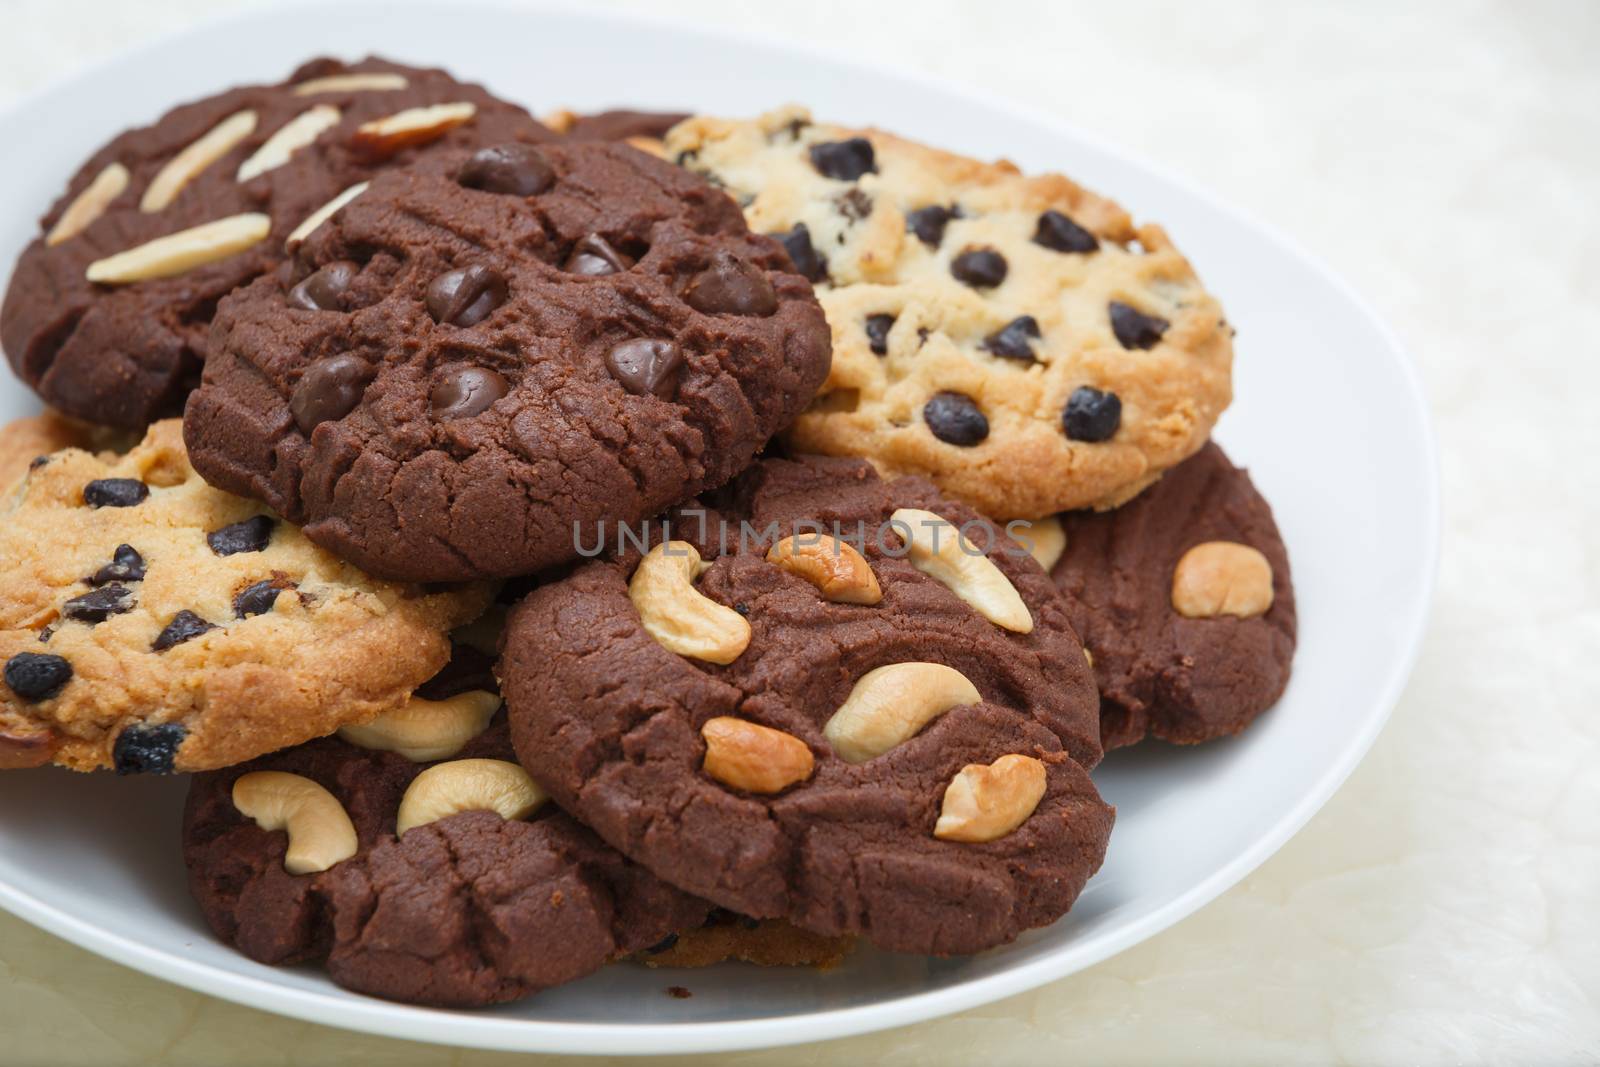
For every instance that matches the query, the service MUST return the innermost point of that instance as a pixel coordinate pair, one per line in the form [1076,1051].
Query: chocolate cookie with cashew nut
[152,623]
[1016,339]
[484,352]
[1184,598]
[881,729]
[108,309]
[416,861]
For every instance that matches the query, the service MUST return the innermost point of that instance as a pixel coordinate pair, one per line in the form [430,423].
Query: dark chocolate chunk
[328,390]
[730,286]
[844,160]
[258,599]
[1091,415]
[100,604]
[1059,233]
[807,260]
[662,945]
[322,291]
[954,418]
[126,566]
[147,749]
[646,365]
[514,169]
[251,535]
[37,675]
[462,392]
[185,626]
[115,493]
[467,296]
[853,204]
[981,268]
[1015,339]
[878,327]
[593,256]
[928,223]
[1134,329]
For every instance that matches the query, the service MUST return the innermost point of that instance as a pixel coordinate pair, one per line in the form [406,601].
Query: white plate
[1328,417]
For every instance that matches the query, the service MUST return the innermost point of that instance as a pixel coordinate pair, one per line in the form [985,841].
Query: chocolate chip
[662,945]
[730,286]
[1091,415]
[37,675]
[1134,329]
[465,297]
[1059,233]
[878,327]
[126,566]
[594,256]
[928,223]
[844,160]
[99,605]
[954,418]
[514,169]
[853,204]
[645,365]
[251,535]
[462,392]
[322,291]
[807,260]
[258,599]
[328,390]
[185,626]
[981,268]
[1015,339]
[147,749]
[115,493]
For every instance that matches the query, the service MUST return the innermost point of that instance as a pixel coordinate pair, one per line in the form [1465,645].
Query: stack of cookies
[613,538]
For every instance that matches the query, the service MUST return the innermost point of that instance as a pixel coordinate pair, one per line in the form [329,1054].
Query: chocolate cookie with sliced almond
[108,309]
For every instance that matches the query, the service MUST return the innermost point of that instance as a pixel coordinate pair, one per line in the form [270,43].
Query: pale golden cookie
[149,622]
[1016,339]
[24,440]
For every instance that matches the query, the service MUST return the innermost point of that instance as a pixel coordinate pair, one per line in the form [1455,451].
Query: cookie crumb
[677,992]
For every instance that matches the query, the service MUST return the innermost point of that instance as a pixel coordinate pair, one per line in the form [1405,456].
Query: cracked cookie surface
[126,354]
[1017,340]
[506,348]
[1161,673]
[614,724]
[150,622]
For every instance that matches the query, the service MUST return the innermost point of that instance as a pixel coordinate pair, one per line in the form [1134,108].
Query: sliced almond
[184,167]
[290,138]
[90,204]
[384,137]
[182,251]
[351,83]
[324,213]
[560,120]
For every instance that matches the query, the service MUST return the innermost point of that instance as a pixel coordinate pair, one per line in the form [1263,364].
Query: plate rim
[477,1030]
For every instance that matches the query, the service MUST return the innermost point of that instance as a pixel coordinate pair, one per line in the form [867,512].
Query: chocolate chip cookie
[25,441]
[877,728]
[108,309]
[1184,599]
[447,881]
[149,622]
[485,355]
[1015,339]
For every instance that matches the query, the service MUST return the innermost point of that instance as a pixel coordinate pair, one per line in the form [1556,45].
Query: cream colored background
[1445,906]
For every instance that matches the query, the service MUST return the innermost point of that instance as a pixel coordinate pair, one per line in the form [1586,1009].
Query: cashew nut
[837,570]
[754,758]
[889,705]
[988,801]
[320,832]
[469,785]
[937,548]
[184,167]
[1222,578]
[1048,539]
[426,730]
[89,204]
[677,614]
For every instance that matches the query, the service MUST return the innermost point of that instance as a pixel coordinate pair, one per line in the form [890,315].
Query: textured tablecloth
[1445,906]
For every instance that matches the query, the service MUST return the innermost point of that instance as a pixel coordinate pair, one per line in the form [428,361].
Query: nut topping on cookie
[352,83]
[938,548]
[1222,578]
[678,615]
[295,134]
[987,802]
[890,705]
[446,789]
[752,757]
[90,204]
[186,165]
[320,831]
[426,730]
[383,137]
[323,214]
[181,252]
[837,570]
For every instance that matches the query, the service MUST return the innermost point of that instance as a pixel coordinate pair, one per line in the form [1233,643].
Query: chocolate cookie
[486,896]
[483,356]
[888,738]
[107,312]
[622,124]
[1183,597]
[149,622]
[1015,339]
